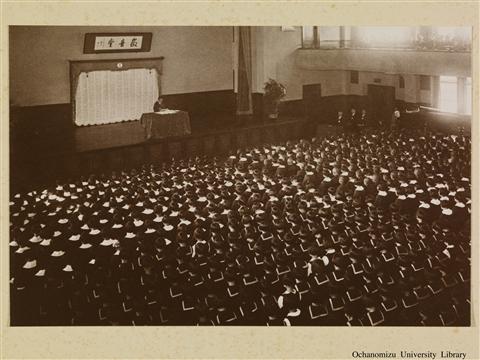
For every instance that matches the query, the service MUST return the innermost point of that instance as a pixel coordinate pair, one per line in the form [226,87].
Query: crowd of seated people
[369,228]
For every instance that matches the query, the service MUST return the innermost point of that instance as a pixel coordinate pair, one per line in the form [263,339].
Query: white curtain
[106,96]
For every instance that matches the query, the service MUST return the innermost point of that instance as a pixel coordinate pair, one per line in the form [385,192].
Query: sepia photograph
[240,176]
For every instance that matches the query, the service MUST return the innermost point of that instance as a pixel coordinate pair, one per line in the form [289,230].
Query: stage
[113,147]
[74,151]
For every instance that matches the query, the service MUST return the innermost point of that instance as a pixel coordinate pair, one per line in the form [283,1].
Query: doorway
[312,102]
[381,102]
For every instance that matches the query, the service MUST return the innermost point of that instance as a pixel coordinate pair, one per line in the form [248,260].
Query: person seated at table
[159,105]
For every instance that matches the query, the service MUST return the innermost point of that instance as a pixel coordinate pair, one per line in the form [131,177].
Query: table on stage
[165,123]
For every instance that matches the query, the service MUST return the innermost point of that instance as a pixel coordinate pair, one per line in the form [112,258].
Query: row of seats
[359,229]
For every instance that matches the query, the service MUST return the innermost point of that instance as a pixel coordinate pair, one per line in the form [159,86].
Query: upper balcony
[393,61]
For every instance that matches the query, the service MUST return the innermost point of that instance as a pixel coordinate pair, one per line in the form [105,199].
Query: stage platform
[113,147]
[37,161]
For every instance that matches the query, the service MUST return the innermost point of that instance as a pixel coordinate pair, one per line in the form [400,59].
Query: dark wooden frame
[89,42]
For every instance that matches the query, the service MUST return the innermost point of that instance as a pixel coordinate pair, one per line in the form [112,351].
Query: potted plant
[273,92]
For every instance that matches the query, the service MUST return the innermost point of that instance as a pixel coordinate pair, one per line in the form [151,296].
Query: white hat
[30,264]
[67,268]
[40,272]
[46,242]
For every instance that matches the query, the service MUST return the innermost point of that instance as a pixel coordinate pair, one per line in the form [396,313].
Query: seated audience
[368,228]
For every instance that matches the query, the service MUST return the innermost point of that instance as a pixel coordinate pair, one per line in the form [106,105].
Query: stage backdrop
[106,96]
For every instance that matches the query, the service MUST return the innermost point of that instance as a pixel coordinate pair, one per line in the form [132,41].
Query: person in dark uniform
[395,122]
[159,105]
[341,121]
[364,120]
[352,123]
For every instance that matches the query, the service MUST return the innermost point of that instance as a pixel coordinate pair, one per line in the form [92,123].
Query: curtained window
[448,94]
[106,96]
[468,96]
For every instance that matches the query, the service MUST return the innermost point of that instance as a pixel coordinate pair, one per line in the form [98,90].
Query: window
[448,94]
[424,82]
[308,36]
[330,36]
[353,77]
[468,96]
[383,36]
[346,36]
[326,37]
[401,82]
[429,38]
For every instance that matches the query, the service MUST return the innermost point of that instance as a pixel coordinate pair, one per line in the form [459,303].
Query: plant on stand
[273,93]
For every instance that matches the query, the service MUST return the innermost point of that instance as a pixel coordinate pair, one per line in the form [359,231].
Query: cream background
[176,342]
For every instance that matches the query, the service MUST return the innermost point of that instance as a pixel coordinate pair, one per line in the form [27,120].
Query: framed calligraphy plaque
[97,43]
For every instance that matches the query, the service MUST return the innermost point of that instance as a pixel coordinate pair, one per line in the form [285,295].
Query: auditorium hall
[240,175]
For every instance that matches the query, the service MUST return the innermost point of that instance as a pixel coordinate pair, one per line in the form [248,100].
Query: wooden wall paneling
[62,169]
[308,129]
[72,165]
[115,159]
[311,99]
[241,139]
[175,149]
[133,156]
[47,168]
[209,144]
[157,153]
[100,162]
[193,147]
[201,104]
[258,104]
[261,134]
[294,108]
[224,142]
[283,133]
[255,137]
[270,135]
[86,163]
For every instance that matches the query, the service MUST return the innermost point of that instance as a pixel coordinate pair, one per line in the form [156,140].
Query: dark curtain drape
[244,95]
